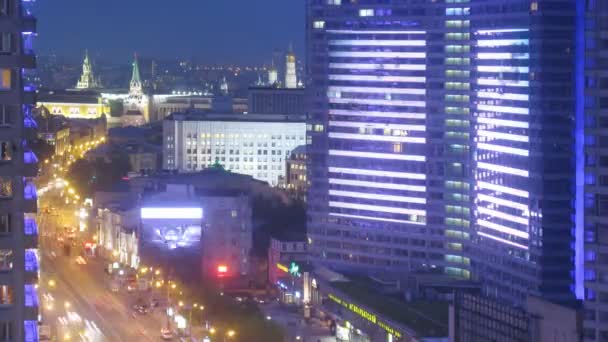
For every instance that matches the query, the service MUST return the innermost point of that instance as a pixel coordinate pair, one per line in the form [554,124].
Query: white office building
[255,145]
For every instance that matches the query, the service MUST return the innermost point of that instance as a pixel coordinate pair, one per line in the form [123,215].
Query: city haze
[233,31]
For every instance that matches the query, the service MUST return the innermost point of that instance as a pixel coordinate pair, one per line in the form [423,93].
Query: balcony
[30,203]
[30,230]
[30,164]
[31,302]
[30,329]
[31,296]
[31,265]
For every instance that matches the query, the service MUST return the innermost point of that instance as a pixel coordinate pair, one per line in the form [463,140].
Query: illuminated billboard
[171,228]
[171,213]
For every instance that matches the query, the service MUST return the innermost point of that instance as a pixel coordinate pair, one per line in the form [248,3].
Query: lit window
[233,213]
[366,12]
[397,148]
[5,79]
[534,6]
[319,24]
[334,2]
[6,259]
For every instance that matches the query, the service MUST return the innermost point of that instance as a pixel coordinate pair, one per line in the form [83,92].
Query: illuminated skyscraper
[19,263]
[87,79]
[592,83]
[440,139]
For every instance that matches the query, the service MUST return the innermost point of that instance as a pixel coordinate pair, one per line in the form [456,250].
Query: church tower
[136,104]
[87,79]
[135,87]
[291,80]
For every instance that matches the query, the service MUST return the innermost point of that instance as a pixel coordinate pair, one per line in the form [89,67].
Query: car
[141,309]
[166,334]
[81,261]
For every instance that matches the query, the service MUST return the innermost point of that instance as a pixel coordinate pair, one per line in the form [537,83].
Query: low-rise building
[117,233]
[251,144]
[296,181]
[282,251]
[478,318]
[227,235]
[74,104]
[280,101]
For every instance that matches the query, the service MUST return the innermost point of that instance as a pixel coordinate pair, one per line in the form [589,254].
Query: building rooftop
[69,96]
[289,236]
[426,318]
[195,115]
[299,150]
[274,89]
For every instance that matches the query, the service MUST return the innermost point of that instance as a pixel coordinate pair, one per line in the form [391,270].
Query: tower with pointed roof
[135,87]
[273,75]
[87,79]
[136,104]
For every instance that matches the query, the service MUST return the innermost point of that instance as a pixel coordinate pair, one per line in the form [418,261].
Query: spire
[135,86]
[135,77]
[86,57]
[87,78]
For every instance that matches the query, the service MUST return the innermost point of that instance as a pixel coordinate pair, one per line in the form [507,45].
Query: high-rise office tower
[291,80]
[18,230]
[592,76]
[442,137]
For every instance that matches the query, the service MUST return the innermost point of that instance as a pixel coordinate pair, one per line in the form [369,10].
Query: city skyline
[258,30]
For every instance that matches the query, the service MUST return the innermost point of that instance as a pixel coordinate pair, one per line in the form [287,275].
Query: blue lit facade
[441,138]
[18,167]
[594,83]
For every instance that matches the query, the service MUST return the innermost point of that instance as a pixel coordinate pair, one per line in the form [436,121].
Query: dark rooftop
[426,318]
[69,96]
[196,115]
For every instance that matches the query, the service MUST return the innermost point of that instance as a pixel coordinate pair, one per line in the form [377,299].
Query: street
[86,288]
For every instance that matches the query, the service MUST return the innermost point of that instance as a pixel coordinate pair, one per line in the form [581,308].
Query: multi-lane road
[86,289]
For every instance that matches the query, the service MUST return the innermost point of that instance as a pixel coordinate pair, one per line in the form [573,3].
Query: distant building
[73,104]
[272,100]
[255,145]
[291,79]
[59,139]
[117,233]
[477,318]
[88,80]
[296,181]
[284,250]
[145,158]
[226,234]
[137,103]
[83,131]
[273,76]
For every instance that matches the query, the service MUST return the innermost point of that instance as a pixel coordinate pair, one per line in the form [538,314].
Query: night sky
[212,31]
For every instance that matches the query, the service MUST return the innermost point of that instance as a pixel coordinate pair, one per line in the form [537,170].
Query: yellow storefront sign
[365,314]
